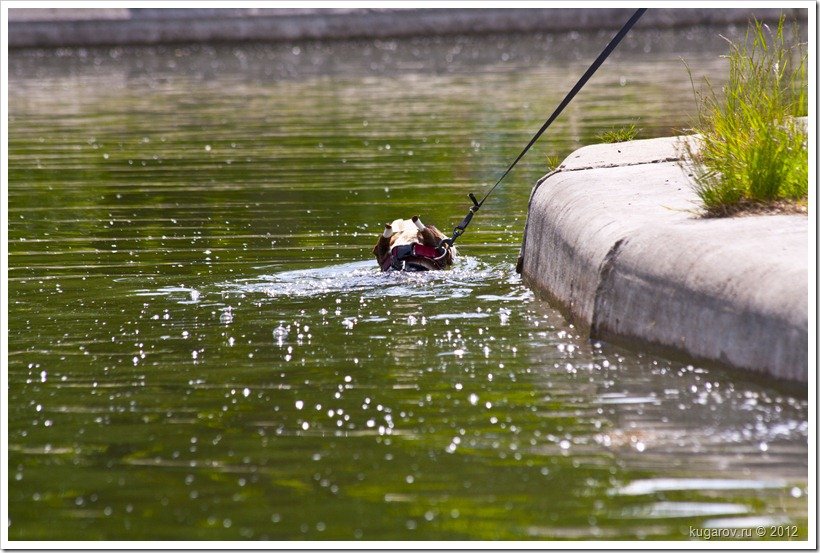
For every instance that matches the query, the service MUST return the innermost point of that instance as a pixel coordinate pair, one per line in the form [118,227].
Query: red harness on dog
[401,257]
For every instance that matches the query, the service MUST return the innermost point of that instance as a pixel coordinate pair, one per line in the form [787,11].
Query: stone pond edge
[720,292]
[49,27]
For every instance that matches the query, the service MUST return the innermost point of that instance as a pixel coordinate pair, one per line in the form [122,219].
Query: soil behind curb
[614,236]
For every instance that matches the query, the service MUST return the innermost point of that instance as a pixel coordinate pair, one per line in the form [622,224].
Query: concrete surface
[615,238]
[55,27]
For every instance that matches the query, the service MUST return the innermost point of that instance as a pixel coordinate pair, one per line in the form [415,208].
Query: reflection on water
[202,347]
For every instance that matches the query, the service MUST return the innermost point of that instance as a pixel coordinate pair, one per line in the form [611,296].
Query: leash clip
[462,226]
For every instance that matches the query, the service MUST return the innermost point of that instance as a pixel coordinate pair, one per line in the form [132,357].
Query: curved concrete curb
[614,238]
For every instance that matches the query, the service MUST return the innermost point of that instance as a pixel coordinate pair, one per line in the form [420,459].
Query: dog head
[405,232]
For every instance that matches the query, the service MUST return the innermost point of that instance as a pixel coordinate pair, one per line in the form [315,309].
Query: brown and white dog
[409,245]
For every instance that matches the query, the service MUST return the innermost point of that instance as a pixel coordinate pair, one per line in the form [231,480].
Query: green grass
[752,153]
[553,162]
[622,134]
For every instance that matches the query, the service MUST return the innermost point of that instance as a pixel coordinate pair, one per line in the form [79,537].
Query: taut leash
[462,226]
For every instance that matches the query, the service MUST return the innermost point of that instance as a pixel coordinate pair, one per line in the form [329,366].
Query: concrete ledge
[55,27]
[614,237]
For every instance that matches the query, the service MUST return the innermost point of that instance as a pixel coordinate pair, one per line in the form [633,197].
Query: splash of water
[364,278]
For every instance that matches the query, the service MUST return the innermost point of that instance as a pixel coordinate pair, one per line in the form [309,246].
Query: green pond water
[201,345]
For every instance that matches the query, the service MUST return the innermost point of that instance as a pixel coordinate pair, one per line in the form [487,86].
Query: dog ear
[427,232]
[436,232]
[383,245]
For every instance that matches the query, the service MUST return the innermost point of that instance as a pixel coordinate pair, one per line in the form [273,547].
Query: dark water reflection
[201,348]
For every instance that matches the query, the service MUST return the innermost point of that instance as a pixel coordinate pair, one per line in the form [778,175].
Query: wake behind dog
[409,245]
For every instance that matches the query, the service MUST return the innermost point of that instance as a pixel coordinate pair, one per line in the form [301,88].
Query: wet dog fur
[412,231]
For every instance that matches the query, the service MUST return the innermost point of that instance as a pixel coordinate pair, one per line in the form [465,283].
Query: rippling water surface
[201,346]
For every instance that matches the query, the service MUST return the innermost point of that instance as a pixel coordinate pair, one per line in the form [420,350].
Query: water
[201,345]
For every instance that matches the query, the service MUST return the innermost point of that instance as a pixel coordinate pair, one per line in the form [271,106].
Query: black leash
[459,230]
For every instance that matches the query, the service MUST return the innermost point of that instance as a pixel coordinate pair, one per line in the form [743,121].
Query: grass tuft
[553,162]
[751,150]
[622,134]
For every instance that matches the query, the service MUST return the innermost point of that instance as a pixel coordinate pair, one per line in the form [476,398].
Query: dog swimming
[410,245]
